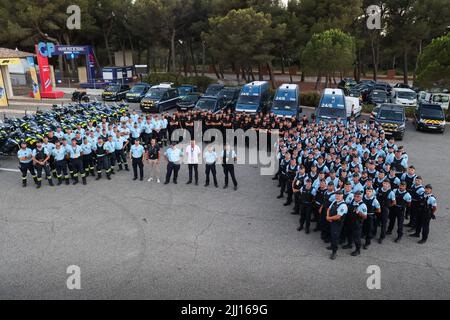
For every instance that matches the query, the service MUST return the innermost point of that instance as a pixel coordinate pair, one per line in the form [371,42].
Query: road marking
[9,170]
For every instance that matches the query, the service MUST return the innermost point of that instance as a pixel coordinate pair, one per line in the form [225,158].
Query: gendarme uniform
[137,155]
[88,159]
[111,152]
[40,155]
[340,209]
[425,215]
[359,208]
[26,164]
[397,212]
[369,229]
[121,158]
[76,163]
[61,164]
[102,161]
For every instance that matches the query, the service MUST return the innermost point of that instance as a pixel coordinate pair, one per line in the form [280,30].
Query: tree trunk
[282,65]
[374,58]
[318,80]
[169,58]
[244,75]
[194,63]
[302,77]
[272,76]
[108,48]
[215,71]
[252,74]
[260,75]
[405,66]
[172,43]
[417,61]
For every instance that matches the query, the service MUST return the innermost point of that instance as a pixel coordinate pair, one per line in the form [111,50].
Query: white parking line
[9,170]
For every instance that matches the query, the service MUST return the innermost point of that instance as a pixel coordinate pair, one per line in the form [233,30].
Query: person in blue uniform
[417,190]
[102,159]
[59,153]
[307,193]
[173,156]
[120,145]
[40,159]
[357,216]
[334,214]
[111,153]
[210,157]
[386,198]
[373,210]
[137,159]
[75,154]
[426,212]
[88,159]
[397,212]
[229,158]
[25,156]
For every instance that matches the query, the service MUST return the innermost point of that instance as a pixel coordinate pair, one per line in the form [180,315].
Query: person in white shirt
[210,157]
[193,154]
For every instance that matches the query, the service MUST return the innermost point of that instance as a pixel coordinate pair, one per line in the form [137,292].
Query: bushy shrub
[310,99]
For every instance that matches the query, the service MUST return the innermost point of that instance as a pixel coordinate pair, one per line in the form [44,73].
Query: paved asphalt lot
[147,241]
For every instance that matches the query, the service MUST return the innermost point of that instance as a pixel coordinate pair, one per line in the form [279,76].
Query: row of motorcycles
[32,128]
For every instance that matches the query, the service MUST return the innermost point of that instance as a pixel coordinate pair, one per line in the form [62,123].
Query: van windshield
[432,113]
[332,101]
[440,98]
[245,99]
[406,95]
[389,114]
[155,94]
[284,105]
[331,113]
[137,89]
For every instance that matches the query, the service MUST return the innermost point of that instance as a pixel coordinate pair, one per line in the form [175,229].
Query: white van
[441,99]
[405,97]
[353,107]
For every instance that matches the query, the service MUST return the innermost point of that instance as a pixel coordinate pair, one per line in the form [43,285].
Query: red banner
[44,72]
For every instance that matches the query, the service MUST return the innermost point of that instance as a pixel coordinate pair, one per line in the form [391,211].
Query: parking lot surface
[149,241]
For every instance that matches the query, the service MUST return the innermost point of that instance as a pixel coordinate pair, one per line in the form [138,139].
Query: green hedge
[201,82]
[310,99]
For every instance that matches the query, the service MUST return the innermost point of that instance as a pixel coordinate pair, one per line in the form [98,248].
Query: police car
[428,116]
[115,92]
[392,119]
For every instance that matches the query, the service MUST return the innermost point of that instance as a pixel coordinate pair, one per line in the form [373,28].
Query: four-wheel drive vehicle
[346,84]
[210,103]
[115,92]
[392,119]
[429,116]
[406,97]
[137,92]
[185,89]
[254,97]
[377,97]
[188,101]
[287,101]
[230,95]
[214,89]
[160,98]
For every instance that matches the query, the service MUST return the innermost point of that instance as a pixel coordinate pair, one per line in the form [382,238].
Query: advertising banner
[36,92]
[3,98]
[44,72]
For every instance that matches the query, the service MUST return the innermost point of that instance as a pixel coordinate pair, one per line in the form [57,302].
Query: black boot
[24,183]
[300,228]
[35,180]
[347,246]
[99,176]
[355,253]
[108,176]
[120,167]
[422,241]
[333,255]
[92,173]
[39,183]
[398,239]
[112,171]
[59,181]
[366,245]
[75,181]
[67,181]
[126,167]
[50,182]
[84,180]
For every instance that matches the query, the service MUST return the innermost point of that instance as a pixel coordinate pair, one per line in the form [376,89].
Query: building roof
[11,53]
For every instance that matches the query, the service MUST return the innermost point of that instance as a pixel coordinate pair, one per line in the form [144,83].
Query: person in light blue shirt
[25,157]
[51,162]
[134,117]
[59,153]
[358,216]
[120,145]
[356,185]
[135,133]
[87,158]
[337,210]
[427,213]
[124,118]
[137,157]
[173,156]
[210,157]
[69,135]
[164,124]
[373,209]
[41,157]
[110,148]
[75,154]
[59,133]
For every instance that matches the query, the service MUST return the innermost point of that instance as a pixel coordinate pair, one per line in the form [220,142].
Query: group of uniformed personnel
[349,179]
[352,181]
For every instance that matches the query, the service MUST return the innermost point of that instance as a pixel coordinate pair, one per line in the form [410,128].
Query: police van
[160,98]
[332,106]
[405,97]
[254,97]
[287,101]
